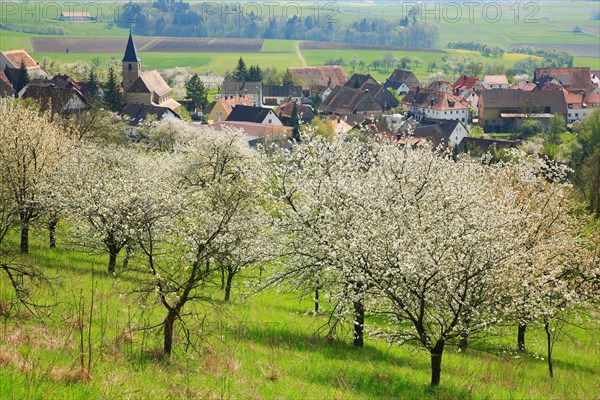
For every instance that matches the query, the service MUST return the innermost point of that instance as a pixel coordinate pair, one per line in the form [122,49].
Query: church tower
[132,64]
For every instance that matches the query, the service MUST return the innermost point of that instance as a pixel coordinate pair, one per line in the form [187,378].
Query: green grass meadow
[258,347]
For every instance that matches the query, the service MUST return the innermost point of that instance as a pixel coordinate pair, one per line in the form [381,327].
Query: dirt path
[300,56]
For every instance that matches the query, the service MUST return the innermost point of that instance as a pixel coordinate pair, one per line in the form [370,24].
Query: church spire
[130,51]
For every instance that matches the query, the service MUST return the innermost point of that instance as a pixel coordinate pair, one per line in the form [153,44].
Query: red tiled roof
[286,109]
[571,78]
[465,82]
[441,100]
[233,101]
[576,100]
[16,56]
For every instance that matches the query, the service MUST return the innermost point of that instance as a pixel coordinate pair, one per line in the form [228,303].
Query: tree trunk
[436,362]
[359,324]
[24,236]
[316,299]
[228,285]
[464,341]
[126,258]
[549,345]
[168,339]
[521,336]
[112,260]
[52,232]
[222,277]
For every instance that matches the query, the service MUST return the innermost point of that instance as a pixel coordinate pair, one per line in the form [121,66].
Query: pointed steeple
[130,51]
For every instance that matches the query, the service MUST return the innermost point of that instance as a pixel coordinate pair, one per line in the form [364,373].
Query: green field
[221,62]
[258,347]
[550,24]
[15,40]
[538,22]
[278,46]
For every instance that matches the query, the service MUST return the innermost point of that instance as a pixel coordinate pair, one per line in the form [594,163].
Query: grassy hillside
[536,22]
[258,347]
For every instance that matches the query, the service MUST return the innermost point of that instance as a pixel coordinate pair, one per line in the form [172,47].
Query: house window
[130,67]
[577,114]
[270,121]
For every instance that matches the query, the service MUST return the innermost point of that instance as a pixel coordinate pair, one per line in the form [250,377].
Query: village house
[275,95]
[546,82]
[220,109]
[76,17]
[144,87]
[407,126]
[506,109]
[426,104]
[402,81]
[375,128]
[495,82]
[468,88]
[595,77]
[137,114]
[344,101]
[446,132]
[61,93]
[259,115]
[285,110]
[6,88]
[339,125]
[441,86]
[465,85]
[357,80]
[580,105]
[13,59]
[572,79]
[368,84]
[250,90]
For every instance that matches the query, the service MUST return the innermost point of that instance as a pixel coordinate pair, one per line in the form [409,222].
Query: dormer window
[570,105]
[584,105]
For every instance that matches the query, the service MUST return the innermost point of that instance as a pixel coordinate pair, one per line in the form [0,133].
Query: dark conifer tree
[240,74]
[196,93]
[22,78]
[295,122]
[113,98]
